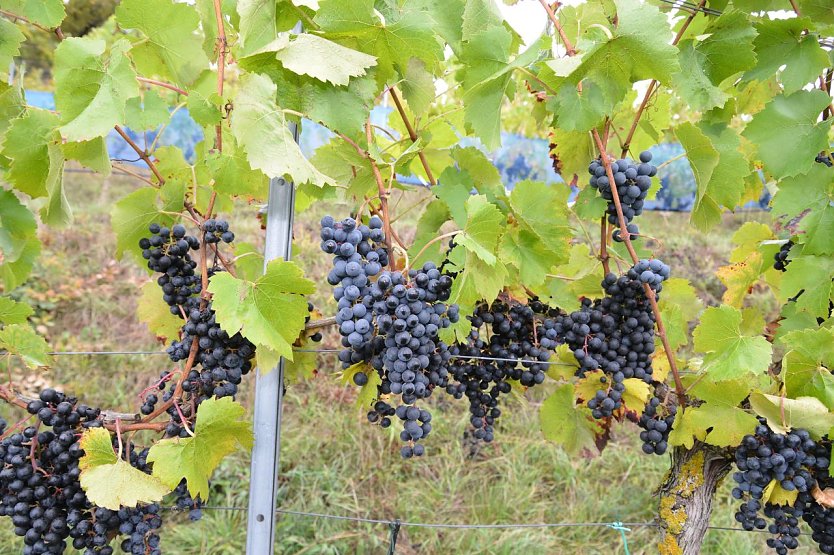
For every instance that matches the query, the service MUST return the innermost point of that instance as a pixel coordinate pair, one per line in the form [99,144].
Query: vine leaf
[10,39]
[542,211]
[808,413]
[403,34]
[808,198]
[49,13]
[321,59]
[785,43]
[218,431]
[91,88]
[13,312]
[636,394]
[33,145]
[21,340]
[775,494]
[719,168]
[174,50]
[92,153]
[230,171]
[269,311]
[483,228]
[739,278]
[261,129]
[260,23]
[565,423]
[111,482]
[368,392]
[793,116]
[131,216]
[730,353]
[454,188]
[19,244]
[718,421]
[431,220]
[726,49]
[146,112]
[807,366]
[153,311]
[812,274]
[679,305]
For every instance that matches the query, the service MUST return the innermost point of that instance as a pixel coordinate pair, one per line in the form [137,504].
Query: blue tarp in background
[519,157]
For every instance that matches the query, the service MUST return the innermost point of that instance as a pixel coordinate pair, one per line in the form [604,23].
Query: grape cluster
[824,158]
[166,251]
[656,428]
[820,520]
[215,231]
[780,259]
[632,181]
[517,334]
[416,426]
[359,255]
[615,334]
[381,413]
[794,461]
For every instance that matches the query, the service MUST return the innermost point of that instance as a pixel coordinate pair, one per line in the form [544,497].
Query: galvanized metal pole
[269,387]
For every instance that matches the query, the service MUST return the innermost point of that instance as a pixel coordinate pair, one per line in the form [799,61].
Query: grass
[331,460]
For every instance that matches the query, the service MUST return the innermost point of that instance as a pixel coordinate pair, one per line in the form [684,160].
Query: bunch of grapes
[166,251]
[632,181]
[615,334]
[793,460]
[656,427]
[824,158]
[359,255]
[521,338]
[40,489]
[780,259]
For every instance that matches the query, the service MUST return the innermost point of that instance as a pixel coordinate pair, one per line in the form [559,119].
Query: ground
[332,461]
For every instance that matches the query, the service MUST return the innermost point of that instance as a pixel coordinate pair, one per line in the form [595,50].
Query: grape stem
[142,154]
[383,195]
[412,134]
[162,84]
[430,243]
[603,244]
[661,330]
[222,47]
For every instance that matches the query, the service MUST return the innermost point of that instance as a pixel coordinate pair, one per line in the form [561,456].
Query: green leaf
[813,274]
[805,200]
[719,169]
[22,341]
[131,216]
[218,431]
[173,50]
[542,210]
[726,49]
[92,154]
[805,413]
[679,305]
[574,150]
[13,312]
[478,280]
[405,33]
[730,353]
[454,187]
[327,61]
[49,13]
[30,142]
[19,244]
[261,130]
[488,78]
[431,220]
[91,88]
[111,482]
[483,172]
[368,393]
[258,25]
[249,261]
[10,39]
[807,366]
[147,112]
[484,225]
[785,42]
[528,254]
[565,423]
[793,116]
[230,171]
[269,311]
[156,314]
[719,425]
[418,86]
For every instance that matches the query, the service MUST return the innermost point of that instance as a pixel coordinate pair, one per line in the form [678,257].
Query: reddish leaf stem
[412,134]
[552,15]
[162,84]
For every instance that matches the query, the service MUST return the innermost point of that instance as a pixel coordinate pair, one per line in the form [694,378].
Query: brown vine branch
[142,154]
[661,330]
[603,244]
[221,69]
[412,134]
[795,8]
[552,15]
[626,144]
[26,20]
[162,84]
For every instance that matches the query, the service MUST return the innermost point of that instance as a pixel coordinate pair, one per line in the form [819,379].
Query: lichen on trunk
[686,497]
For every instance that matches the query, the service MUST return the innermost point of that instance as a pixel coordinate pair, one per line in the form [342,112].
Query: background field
[332,461]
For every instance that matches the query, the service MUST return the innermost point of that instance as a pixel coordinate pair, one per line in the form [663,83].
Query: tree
[746,94]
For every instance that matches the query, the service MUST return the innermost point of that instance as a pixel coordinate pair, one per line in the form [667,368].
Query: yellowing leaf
[565,423]
[636,394]
[218,431]
[739,278]
[155,312]
[368,392]
[111,482]
[775,494]
[808,413]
